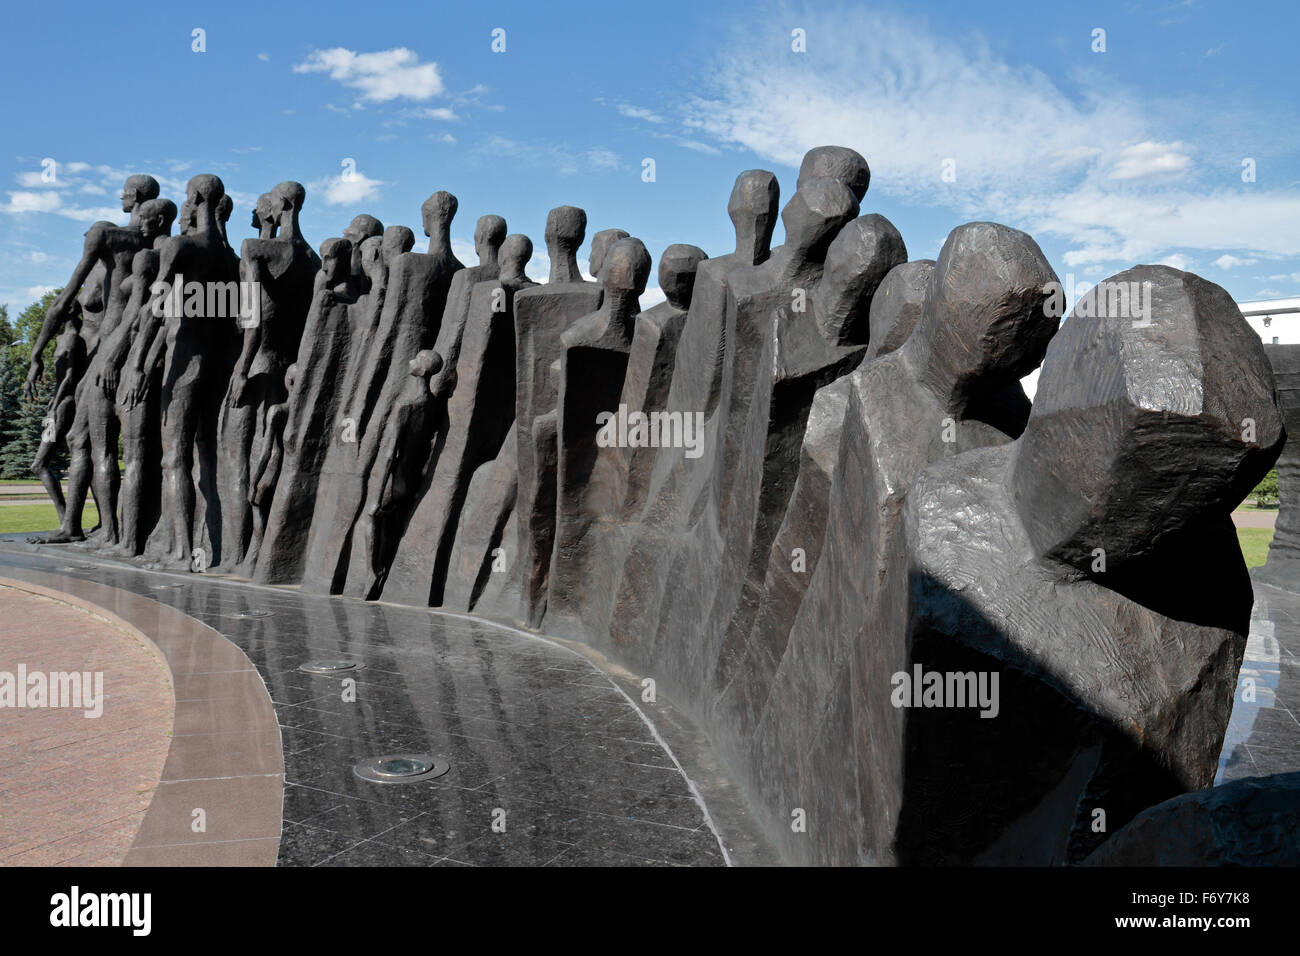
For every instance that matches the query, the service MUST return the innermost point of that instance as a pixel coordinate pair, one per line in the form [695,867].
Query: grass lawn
[1249,505]
[39,517]
[1254,544]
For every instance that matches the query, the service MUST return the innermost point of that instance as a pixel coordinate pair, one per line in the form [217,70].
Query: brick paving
[73,789]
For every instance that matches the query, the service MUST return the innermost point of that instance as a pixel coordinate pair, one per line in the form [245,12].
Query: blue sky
[1108,158]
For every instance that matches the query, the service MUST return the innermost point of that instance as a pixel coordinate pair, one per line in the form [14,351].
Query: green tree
[11,401]
[22,422]
[7,332]
[1265,493]
[29,423]
[24,331]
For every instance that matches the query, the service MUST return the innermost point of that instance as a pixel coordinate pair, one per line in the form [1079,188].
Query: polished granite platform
[537,735]
[539,739]
[1264,735]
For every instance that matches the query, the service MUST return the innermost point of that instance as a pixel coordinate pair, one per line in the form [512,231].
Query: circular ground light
[329,668]
[247,615]
[401,768]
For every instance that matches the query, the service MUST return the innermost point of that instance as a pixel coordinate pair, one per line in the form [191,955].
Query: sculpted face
[185,221]
[600,245]
[156,216]
[263,212]
[986,311]
[362,228]
[138,189]
[336,260]
[815,214]
[372,257]
[425,363]
[752,207]
[225,207]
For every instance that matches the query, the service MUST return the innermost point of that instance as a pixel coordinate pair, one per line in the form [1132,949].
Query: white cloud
[440,113]
[37,291]
[447,138]
[380,76]
[651,297]
[907,99]
[603,159]
[1150,158]
[36,180]
[347,189]
[1227,261]
[33,202]
[539,266]
[80,178]
[638,112]
[699,147]
[463,249]
[264,57]
[1125,227]
[1096,169]
[1176,261]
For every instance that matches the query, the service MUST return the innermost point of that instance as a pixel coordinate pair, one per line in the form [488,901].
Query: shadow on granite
[551,763]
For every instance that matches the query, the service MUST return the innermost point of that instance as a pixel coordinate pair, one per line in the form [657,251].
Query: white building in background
[1275,321]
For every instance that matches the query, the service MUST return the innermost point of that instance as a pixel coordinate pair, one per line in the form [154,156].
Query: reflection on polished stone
[550,762]
[1263,736]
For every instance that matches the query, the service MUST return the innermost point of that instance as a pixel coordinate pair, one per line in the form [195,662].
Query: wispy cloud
[41,194]
[1097,169]
[639,112]
[559,157]
[380,76]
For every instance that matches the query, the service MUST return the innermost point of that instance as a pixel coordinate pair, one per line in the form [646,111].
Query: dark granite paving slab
[551,765]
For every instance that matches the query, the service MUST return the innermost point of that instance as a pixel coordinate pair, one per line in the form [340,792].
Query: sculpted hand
[34,374]
[108,381]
